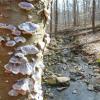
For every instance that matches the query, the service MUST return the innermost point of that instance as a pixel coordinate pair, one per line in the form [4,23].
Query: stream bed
[73,64]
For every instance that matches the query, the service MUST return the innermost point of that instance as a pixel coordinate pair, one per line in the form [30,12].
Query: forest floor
[72,57]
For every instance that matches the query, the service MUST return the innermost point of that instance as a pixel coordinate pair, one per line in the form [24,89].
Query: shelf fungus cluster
[25,61]
[27,57]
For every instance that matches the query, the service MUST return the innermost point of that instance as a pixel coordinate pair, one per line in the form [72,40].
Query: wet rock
[63,60]
[58,81]
[90,87]
[97,84]
[51,80]
[51,95]
[63,80]
[76,75]
[75,91]
[26,6]
[61,88]
[97,70]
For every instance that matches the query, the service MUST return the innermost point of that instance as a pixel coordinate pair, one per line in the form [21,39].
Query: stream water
[74,65]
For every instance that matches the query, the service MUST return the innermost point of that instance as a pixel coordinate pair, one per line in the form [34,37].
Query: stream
[67,62]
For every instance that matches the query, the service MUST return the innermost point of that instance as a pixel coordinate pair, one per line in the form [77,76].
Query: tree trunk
[51,21]
[84,11]
[78,17]
[68,13]
[27,51]
[74,12]
[64,4]
[93,15]
[56,15]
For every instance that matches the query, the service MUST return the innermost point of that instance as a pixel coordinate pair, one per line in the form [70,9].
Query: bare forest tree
[74,12]
[56,15]
[93,15]
[78,13]
[51,18]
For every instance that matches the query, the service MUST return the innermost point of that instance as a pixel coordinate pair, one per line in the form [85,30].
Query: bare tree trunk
[56,15]
[64,13]
[78,17]
[84,11]
[93,15]
[68,13]
[51,18]
[74,13]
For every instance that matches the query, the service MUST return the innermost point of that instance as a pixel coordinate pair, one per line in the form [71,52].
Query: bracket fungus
[10,43]
[23,86]
[16,32]
[3,25]
[28,49]
[20,64]
[24,69]
[28,27]
[26,6]
[20,39]
[9,27]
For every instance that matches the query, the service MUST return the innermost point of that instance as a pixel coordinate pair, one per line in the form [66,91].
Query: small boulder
[97,84]
[63,80]
[90,87]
